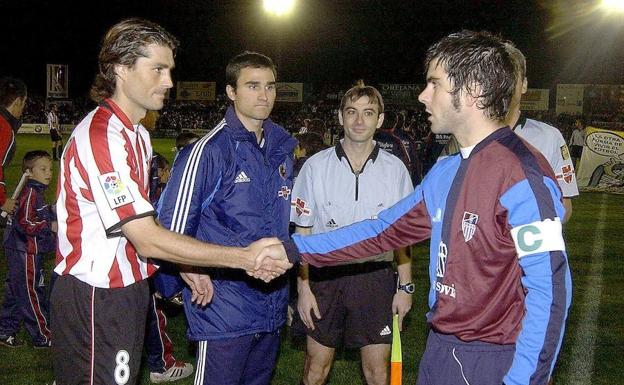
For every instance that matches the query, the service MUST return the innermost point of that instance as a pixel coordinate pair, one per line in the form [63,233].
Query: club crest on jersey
[469,225]
[282,170]
[566,174]
[116,192]
[300,207]
[284,192]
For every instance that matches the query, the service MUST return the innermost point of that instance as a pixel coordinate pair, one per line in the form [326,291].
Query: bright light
[279,7]
[613,5]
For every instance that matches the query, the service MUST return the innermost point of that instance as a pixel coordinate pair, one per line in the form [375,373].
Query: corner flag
[396,360]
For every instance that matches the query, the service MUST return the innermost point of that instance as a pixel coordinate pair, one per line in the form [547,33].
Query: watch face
[408,288]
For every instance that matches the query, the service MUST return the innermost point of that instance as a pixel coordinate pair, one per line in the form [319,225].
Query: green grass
[26,366]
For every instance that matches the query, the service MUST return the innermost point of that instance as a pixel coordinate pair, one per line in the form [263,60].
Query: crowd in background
[318,117]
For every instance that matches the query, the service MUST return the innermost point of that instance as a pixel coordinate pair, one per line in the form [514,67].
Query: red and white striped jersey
[103,183]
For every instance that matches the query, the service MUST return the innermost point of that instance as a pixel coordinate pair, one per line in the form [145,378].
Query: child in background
[160,172]
[185,138]
[29,235]
[163,366]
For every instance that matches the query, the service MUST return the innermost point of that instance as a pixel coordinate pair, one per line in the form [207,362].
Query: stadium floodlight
[279,7]
[613,5]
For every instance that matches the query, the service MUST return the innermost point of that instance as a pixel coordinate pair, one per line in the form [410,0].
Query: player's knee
[316,372]
[375,374]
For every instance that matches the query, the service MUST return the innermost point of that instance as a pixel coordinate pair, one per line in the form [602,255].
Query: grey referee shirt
[327,193]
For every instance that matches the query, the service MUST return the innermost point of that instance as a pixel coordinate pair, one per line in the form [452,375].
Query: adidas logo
[385,331]
[331,224]
[242,178]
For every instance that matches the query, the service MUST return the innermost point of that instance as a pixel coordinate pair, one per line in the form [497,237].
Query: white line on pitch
[585,337]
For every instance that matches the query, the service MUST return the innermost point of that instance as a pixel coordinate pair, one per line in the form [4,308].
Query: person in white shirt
[577,141]
[547,139]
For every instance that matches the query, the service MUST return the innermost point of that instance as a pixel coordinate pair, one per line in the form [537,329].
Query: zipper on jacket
[357,183]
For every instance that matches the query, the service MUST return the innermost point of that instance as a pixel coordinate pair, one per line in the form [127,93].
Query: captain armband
[538,237]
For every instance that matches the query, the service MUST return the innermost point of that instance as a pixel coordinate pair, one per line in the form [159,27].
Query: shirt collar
[521,122]
[340,153]
[240,132]
[114,108]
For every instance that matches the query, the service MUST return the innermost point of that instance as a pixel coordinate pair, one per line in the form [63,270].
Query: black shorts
[55,136]
[576,151]
[355,302]
[97,334]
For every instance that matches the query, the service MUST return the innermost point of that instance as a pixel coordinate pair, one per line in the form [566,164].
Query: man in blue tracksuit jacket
[232,187]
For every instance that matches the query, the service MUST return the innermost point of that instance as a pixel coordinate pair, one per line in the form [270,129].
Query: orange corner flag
[396,360]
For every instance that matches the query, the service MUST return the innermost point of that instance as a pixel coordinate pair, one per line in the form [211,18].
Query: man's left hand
[201,286]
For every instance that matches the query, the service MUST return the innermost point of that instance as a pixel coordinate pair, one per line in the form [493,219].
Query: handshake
[268,259]
[263,259]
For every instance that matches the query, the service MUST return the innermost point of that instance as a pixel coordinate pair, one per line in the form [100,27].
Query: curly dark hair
[477,63]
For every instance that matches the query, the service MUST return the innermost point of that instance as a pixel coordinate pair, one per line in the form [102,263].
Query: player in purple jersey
[500,281]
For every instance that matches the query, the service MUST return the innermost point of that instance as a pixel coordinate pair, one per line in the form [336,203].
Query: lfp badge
[113,185]
[116,192]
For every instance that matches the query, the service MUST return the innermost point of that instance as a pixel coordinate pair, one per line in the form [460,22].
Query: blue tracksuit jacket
[229,190]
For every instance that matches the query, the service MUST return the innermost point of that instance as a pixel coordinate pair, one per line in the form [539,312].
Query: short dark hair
[29,159]
[123,44]
[311,142]
[361,90]
[11,89]
[244,60]
[477,62]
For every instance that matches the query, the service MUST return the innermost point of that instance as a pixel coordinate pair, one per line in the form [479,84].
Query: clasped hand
[269,259]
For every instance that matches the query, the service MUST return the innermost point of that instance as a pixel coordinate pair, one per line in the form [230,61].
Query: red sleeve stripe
[134,159]
[98,136]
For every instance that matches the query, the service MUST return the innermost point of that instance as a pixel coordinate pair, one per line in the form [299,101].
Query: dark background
[321,42]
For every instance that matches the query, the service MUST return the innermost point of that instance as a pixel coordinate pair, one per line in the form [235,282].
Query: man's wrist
[407,287]
[292,252]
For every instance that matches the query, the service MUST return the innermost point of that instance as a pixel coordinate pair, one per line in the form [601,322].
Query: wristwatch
[408,288]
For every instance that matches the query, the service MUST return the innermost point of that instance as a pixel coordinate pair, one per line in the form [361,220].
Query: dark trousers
[246,360]
[158,345]
[25,297]
[449,361]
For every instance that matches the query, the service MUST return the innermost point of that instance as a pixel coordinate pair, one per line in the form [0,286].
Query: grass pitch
[592,351]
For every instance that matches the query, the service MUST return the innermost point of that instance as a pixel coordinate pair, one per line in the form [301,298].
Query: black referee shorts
[355,302]
[97,334]
[55,136]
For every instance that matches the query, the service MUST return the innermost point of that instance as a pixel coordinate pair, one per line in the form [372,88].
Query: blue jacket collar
[277,141]
[36,185]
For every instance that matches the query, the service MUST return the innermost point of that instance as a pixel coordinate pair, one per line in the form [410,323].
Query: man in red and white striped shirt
[106,225]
